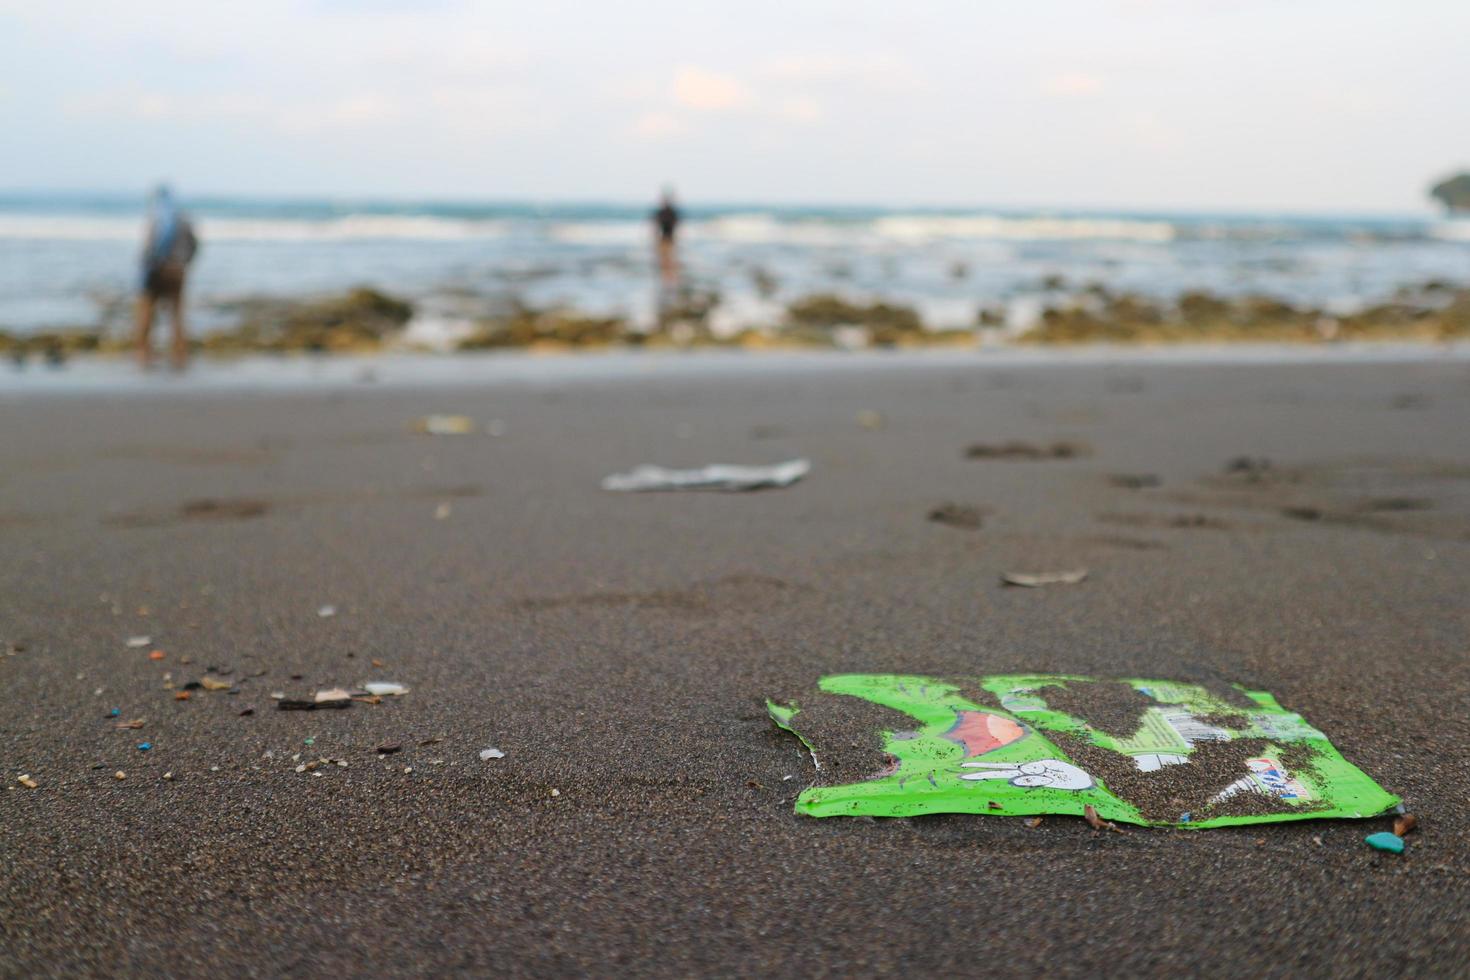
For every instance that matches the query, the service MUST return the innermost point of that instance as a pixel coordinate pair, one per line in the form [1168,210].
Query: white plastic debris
[487,754]
[333,695]
[443,511]
[134,642]
[1034,581]
[385,688]
[717,476]
[326,612]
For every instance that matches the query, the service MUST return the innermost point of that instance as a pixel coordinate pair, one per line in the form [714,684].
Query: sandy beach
[618,648]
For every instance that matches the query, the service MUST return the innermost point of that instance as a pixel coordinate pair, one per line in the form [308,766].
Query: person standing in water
[666,226]
[167,252]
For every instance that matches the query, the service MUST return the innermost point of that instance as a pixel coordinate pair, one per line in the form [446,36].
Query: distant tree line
[1453,192]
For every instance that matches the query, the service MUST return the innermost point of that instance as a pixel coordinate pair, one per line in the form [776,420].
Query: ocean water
[70,261]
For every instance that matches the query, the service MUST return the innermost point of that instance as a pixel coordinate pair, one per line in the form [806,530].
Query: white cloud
[148,105]
[707,91]
[876,70]
[657,125]
[801,109]
[365,110]
[1073,84]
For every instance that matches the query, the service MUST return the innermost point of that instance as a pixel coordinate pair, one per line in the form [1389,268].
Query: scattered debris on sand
[1135,481]
[958,515]
[445,425]
[1028,450]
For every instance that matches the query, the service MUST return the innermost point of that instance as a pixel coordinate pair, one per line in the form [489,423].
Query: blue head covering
[163,228]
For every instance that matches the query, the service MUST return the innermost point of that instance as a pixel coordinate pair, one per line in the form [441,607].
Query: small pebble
[1384,841]
[169,776]
[556,792]
[119,775]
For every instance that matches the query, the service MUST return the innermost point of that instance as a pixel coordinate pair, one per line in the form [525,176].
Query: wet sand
[618,649]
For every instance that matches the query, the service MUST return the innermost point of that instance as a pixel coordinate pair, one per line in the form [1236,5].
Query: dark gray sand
[618,649]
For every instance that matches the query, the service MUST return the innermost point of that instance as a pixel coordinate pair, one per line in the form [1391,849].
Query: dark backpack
[185,244]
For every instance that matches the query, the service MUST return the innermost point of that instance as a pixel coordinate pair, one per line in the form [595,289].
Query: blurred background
[444,175]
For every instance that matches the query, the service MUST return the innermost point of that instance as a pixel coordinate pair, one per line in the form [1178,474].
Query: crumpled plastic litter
[716,476]
[997,745]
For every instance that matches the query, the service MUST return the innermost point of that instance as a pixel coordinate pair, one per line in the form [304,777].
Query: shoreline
[118,374]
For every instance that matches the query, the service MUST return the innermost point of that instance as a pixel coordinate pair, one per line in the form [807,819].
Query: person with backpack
[167,252]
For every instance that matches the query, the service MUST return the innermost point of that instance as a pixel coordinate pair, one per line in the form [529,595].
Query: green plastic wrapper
[991,753]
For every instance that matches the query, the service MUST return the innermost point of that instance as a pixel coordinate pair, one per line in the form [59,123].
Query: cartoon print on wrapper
[1052,773]
[1016,757]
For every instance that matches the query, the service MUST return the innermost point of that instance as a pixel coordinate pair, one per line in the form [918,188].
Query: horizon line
[114,195]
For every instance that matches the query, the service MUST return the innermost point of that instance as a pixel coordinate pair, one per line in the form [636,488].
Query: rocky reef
[361,320]
[1431,312]
[528,328]
[365,320]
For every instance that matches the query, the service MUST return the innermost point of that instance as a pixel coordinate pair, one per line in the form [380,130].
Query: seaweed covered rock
[55,345]
[358,320]
[887,323]
[546,328]
[1411,321]
[1100,316]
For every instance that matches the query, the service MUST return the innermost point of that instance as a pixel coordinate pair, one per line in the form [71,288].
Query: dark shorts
[164,282]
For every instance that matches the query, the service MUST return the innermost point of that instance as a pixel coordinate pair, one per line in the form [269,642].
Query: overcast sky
[1306,105]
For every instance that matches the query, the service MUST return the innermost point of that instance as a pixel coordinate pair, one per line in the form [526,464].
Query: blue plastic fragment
[145,746]
[114,712]
[1384,841]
